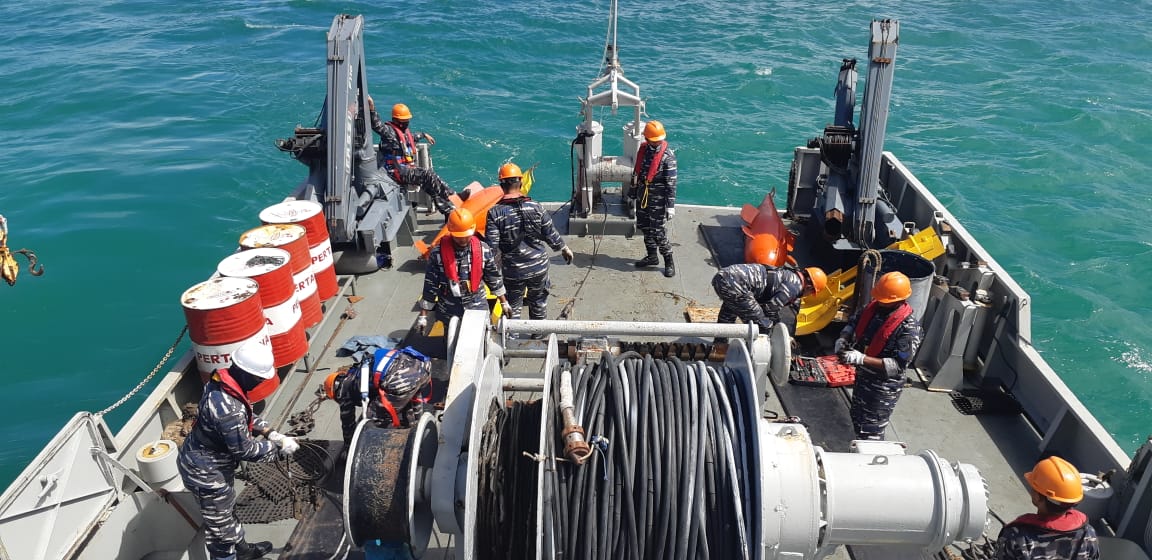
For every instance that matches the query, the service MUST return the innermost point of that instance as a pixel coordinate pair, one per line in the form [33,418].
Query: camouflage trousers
[873,400]
[215,490]
[656,239]
[429,182]
[537,298]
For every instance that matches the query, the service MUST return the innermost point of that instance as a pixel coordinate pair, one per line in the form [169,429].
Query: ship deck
[602,284]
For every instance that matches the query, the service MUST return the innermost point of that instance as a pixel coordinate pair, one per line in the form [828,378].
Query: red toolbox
[821,371]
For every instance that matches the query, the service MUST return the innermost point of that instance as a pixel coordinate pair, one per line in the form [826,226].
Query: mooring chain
[139,386]
[304,421]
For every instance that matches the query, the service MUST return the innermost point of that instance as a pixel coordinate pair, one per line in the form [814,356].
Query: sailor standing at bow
[654,193]
[225,434]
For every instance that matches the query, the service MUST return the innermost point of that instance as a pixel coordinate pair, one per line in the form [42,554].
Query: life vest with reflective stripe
[881,337]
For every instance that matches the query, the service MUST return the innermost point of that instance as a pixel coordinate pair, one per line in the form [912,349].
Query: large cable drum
[385,484]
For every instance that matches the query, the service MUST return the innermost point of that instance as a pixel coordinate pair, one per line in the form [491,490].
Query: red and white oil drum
[223,313]
[310,215]
[294,239]
[271,269]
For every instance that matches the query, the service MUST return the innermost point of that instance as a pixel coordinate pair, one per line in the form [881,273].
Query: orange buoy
[222,313]
[294,239]
[270,268]
[479,203]
[310,215]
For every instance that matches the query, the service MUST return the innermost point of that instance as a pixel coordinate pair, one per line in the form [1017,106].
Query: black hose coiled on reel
[506,509]
[669,474]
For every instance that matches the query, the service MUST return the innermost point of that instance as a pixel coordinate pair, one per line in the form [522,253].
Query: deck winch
[677,461]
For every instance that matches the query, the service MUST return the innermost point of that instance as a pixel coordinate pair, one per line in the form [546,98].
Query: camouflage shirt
[1031,537]
[437,291]
[898,349]
[519,230]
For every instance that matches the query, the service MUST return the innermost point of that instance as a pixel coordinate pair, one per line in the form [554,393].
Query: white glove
[288,444]
[671,213]
[853,358]
[567,254]
[421,324]
[841,345]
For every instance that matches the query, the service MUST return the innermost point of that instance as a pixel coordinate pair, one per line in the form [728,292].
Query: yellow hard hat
[654,131]
[892,287]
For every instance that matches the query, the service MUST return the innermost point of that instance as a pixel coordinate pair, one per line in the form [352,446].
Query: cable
[670,464]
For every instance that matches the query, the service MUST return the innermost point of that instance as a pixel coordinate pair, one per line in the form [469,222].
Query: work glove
[287,444]
[671,214]
[841,345]
[853,357]
[567,254]
[421,324]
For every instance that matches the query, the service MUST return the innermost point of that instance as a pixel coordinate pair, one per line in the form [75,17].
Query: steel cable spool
[385,484]
[506,511]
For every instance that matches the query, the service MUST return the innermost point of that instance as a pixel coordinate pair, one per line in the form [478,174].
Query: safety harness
[881,337]
[517,204]
[372,378]
[448,254]
[653,168]
[407,148]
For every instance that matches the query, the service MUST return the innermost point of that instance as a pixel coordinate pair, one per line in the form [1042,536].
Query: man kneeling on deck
[386,384]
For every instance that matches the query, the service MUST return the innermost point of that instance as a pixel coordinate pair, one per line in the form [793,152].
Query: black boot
[252,551]
[669,266]
[650,260]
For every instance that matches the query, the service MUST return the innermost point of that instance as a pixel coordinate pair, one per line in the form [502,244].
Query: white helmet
[255,357]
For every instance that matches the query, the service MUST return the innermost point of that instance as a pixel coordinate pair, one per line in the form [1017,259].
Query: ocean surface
[138,145]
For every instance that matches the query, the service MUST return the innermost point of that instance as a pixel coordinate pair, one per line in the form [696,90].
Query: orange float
[480,200]
[766,239]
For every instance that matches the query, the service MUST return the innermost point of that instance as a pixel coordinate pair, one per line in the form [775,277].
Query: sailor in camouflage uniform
[223,435]
[755,293]
[398,150]
[1057,531]
[458,267]
[518,229]
[388,380]
[654,193]
[880,340]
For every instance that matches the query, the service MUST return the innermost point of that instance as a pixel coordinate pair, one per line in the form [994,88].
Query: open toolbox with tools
[821,371]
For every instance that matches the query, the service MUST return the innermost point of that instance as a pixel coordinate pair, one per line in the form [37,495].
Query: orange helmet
[461,223]
[510,170]
[818,278]
[654,131]
[330,384]
[763,249]
[892,287]
[400,112]
[1056,479]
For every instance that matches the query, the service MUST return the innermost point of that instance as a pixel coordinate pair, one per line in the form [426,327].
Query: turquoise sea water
[139,145]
